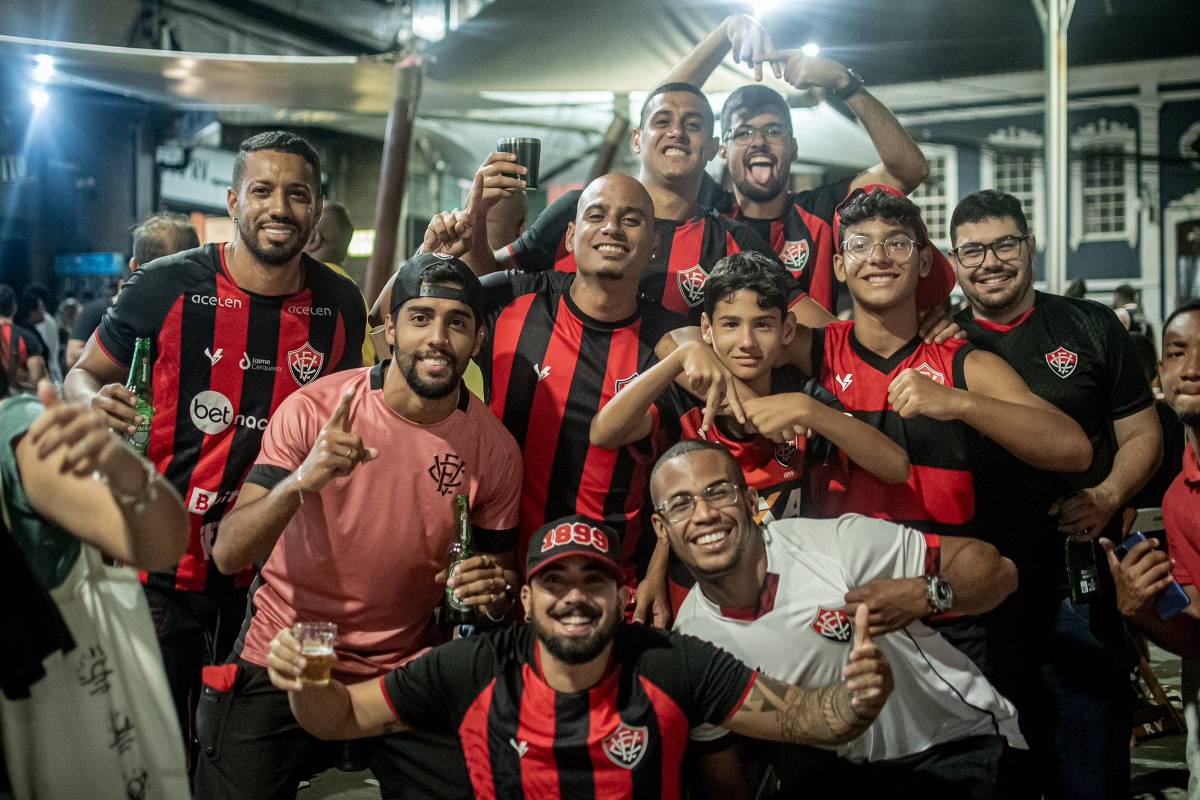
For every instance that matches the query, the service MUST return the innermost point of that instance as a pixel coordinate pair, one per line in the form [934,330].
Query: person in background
[1077,289]
[21,350]
[66,314]
[158,235]
[55,731]
[330,244]
[35,315]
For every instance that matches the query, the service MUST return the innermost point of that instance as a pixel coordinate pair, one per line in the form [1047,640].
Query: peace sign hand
[337,451]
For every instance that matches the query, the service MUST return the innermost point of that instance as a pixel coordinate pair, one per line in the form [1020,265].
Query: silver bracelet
[134,502]
[510,593]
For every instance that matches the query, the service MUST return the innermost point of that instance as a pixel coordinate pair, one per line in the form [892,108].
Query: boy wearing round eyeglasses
[1063,663]
[932,399]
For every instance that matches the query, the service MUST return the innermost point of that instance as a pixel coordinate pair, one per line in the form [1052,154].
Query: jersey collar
[878,362]
[1191,465]
[1003,327]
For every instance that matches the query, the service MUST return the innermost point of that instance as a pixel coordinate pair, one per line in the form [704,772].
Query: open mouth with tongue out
[760,168]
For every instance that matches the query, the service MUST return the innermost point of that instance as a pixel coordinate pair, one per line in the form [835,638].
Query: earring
[235,220]
[528,619]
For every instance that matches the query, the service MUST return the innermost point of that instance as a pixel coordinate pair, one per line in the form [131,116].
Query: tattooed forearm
[806,716]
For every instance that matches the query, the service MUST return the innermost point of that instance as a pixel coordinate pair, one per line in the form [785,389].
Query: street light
[38,98]
[812,49]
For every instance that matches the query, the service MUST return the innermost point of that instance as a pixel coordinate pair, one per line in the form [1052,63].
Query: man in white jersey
[781,598]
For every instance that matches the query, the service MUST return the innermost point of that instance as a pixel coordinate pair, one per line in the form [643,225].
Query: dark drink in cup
[528,152]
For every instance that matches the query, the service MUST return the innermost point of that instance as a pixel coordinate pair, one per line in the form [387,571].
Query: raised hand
[750,44]
[337,450]
[479,581]
[867,675]
[779,417]
[1139,576]
[803,72]
[88,443]
[707,377]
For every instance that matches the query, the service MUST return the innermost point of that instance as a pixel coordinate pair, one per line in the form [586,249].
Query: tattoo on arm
[807,716]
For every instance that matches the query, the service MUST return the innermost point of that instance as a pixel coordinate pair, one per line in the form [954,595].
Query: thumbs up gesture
[867,675]
[337,450]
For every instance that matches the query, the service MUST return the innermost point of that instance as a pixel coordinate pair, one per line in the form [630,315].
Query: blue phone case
[1171,600]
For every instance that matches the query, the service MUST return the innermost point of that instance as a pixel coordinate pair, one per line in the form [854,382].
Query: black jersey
[803,239]
[623,738]
[674,279]
[17,346]
[1075,354]
[548,370]
[223,360]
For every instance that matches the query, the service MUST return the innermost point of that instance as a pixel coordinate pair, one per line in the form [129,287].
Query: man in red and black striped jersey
[673,141]
[1066,663]
[745,327]
[758,148]
[21,349]
[932,399]
[234,328]
[577,704]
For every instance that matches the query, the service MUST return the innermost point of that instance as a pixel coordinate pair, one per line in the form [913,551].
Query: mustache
[586,610]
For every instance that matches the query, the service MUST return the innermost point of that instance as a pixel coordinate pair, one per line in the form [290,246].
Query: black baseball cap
[411,282]
[574,536]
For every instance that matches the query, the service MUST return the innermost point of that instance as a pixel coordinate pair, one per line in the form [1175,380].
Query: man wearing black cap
[758,148]
[350,510]
[578,703]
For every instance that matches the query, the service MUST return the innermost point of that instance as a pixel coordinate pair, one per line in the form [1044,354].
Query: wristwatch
[851,88]
[939,593]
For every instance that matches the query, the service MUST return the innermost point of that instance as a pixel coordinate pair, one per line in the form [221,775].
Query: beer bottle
[139,385]
[1083,572]
[458,613]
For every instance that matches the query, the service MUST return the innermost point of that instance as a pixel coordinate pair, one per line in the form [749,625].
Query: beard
[576,650]
[1001,300]
[273,254]
[760,194]
[429,389]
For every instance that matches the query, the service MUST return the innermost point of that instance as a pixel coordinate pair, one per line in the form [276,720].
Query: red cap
[932,290]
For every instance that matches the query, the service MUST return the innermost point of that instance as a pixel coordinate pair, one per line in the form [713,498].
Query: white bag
[101,724]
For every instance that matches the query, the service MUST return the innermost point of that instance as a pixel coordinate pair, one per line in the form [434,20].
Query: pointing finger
[340,420]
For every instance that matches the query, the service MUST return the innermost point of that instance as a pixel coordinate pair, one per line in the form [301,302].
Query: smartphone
[1171,600]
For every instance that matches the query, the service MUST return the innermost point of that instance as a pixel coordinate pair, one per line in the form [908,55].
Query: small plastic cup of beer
[316,645]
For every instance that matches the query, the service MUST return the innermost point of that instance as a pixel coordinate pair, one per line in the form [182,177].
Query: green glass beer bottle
[139,384]
[457,612]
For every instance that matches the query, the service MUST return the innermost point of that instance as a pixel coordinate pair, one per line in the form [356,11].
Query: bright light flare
[812,50]
[43,68]
[38,98]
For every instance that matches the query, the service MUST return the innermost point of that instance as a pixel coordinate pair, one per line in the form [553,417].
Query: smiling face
[612,236]
[746,337]
[882,281]
[574,606]
[759,167]
[276,205]
[711,542]
[433,339]
[1179,370]
[995,285]
[676,141]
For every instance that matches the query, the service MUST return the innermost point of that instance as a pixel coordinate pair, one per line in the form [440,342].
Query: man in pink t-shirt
[351,504]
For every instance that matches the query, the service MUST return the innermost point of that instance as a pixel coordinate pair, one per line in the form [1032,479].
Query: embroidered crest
[794,255]
[833,624]
[447,471]
[691,284]
[626,745]
[785,452]
[931,373]
[305,363]
[623,382]
[1062,361]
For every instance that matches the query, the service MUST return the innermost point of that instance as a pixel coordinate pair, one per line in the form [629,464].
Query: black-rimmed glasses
[972,254]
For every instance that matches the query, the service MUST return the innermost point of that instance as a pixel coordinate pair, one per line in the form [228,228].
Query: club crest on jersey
[305,363]
[834,624]
[785,452]
[621,383]
[931,373]
[626,745]
[794,255]
[691,284]
[1062,361]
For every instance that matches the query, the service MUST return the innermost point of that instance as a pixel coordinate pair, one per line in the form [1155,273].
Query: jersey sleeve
[34,346]
[1128,391]
[717,681]
[290,435]
[868,549]
[435,690]
[139,310]
[88,320]
[667,409]
[536,249]
[823,201]
[498,506]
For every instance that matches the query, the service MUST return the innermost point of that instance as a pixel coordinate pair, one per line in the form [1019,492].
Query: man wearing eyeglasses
[778,595]
[758,148]
[1062,663]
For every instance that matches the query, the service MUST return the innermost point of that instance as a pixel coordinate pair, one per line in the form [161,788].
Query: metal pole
[397,142]
[1055,18]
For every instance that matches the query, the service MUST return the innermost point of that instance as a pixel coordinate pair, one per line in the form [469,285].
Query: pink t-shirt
[364,552]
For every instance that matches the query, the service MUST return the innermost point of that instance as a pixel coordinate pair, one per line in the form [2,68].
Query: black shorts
[251,747]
